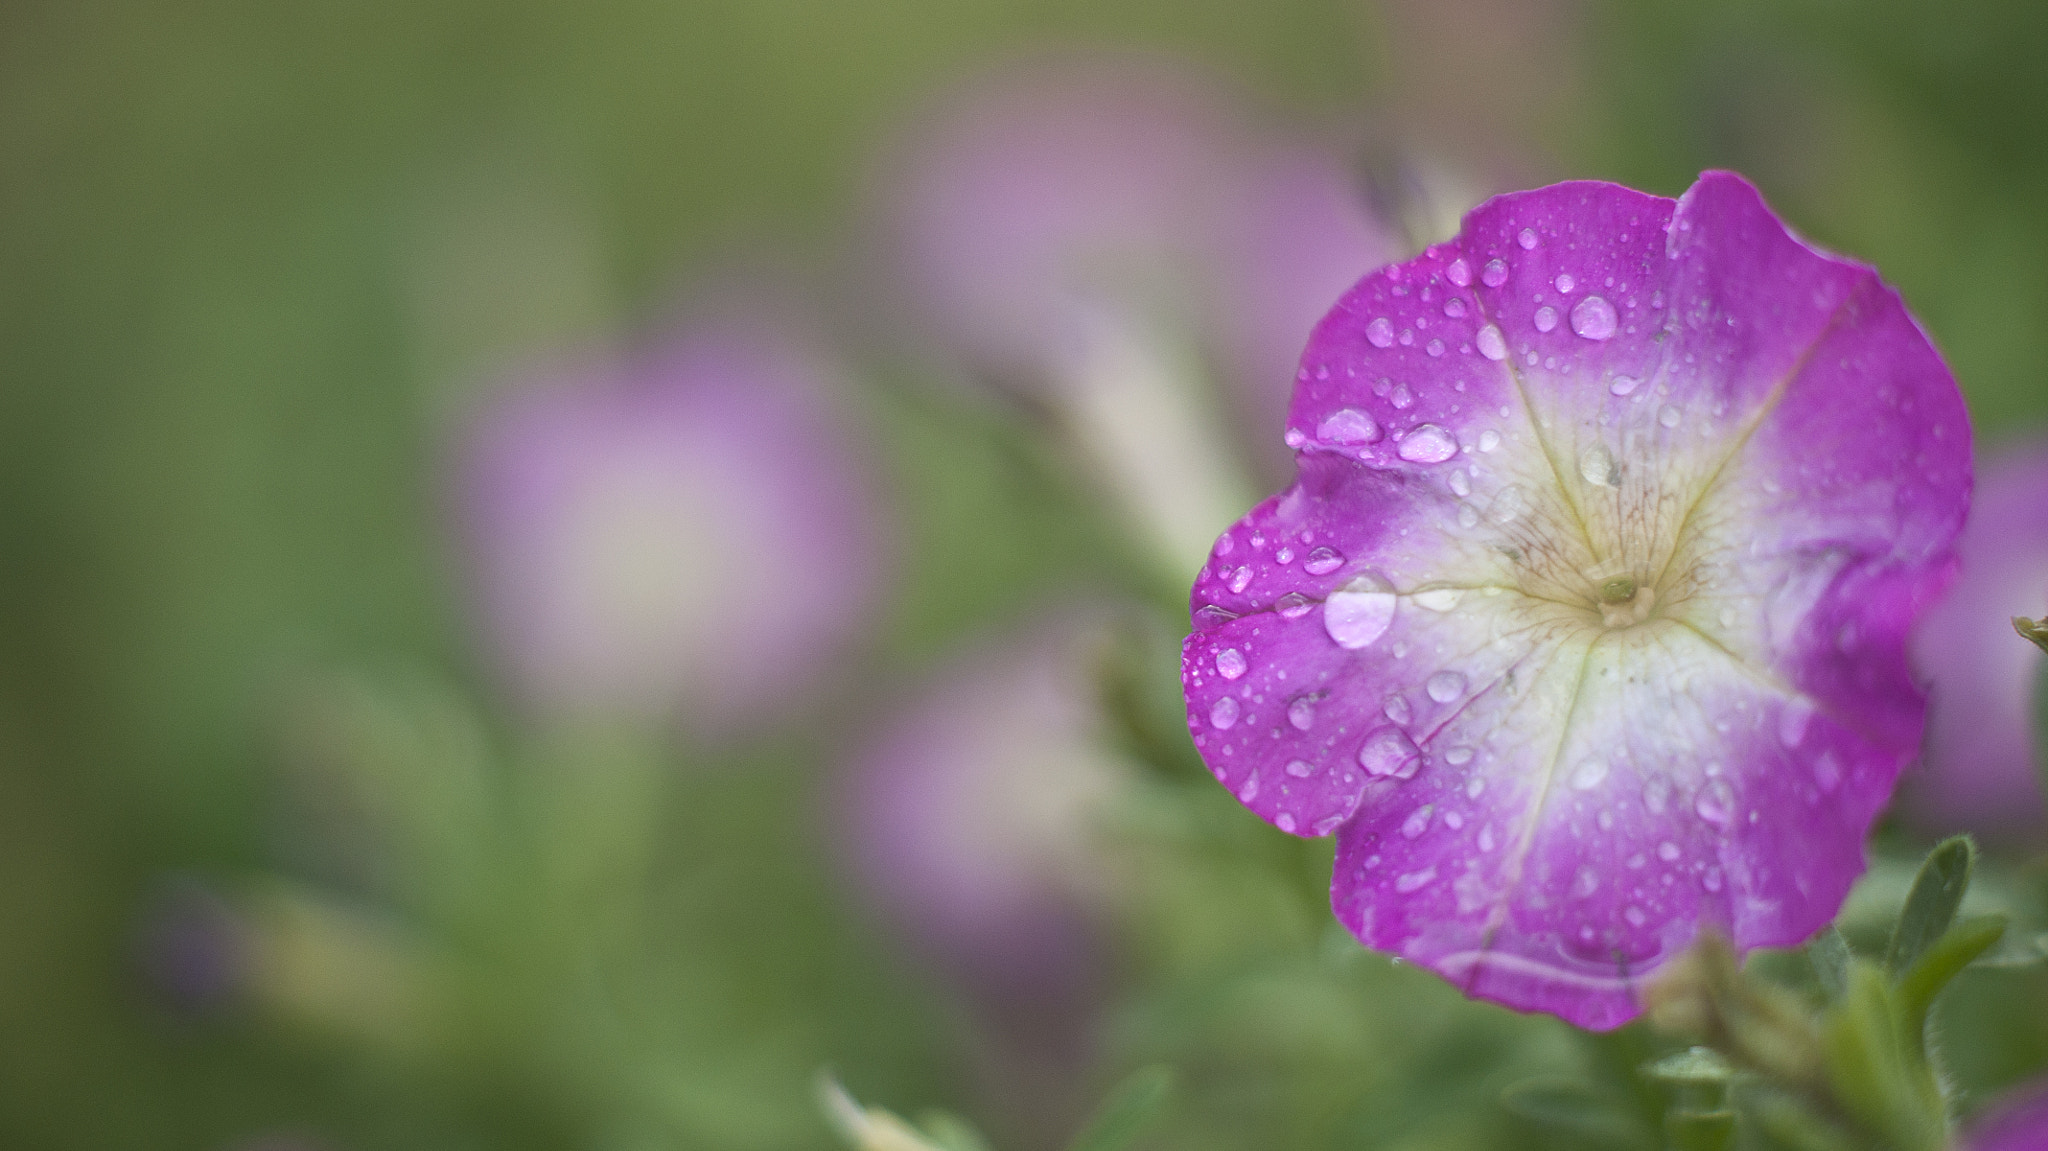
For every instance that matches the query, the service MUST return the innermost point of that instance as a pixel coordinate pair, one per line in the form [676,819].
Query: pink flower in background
[1105,235]
[689,534]
[1978,770]
[972,815]
[1584,625]
[2020,1123]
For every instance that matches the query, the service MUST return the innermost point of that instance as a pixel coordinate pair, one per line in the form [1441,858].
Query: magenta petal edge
[1583,627]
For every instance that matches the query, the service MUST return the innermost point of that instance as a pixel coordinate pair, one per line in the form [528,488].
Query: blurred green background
[253,257]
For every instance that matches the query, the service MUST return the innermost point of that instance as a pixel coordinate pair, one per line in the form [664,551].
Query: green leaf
[1931,906]
[1941,963]
[1135,1103]
[1829,953]
[1591,1116]
[2034,631]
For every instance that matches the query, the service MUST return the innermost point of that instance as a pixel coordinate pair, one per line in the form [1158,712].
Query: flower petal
[1616,511]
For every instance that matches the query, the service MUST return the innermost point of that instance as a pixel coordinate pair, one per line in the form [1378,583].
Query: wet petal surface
[1597,615]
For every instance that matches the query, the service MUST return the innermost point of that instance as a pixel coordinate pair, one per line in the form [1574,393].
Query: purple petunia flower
[1094,232]
[1977,771]
[688,534]
[972,813]
[1583,626]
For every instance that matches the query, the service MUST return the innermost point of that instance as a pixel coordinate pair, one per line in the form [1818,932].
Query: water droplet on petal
[1546,318]
[1389,752]
[1669,416]
[1401,397]
[1507,505]
[1458,757]
[1293,605]
[1461,484]
[1397,709]
[1300,768]
[1635,916]
[1486,838]
[1427,444]
[1715,802]
[1827,772]
[1594,318]
[1250,790]
[1455,308]
[1445,686]
[1792,720]
[1348,426]
[1657,794]
[1527,239]
[1240,579]
[1585,883]
[1474,786]
[1623,385]
[1284,822]
[1490,343]
[1417,822]
[1381,332]
[1414,881]
[1565,283]
[1459,273]
[1302,713]
[1495,274]
[1230,663]
[1435,348]
[1597,467]
[1589,774]
[1711,879]
[1359,612]
[1468,516]
[1667,851]
[1223,714]
[1322,561]
[1489,440]
[1439,599]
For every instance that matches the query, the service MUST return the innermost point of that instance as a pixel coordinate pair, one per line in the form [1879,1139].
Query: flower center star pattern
[1583,625]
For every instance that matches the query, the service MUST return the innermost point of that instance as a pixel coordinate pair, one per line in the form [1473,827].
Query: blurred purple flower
[1090,230]
[1978,765]
[972,815]
[2020,1123]
[690,533]
[1584,625]
[194,949]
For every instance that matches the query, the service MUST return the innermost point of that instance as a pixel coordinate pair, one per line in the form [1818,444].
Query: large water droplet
[1293,605]
[1455,308]
[1565,283]
[1300,768]
[1459,273]
[1397,709]
[1414,881]
[1715,802]
[1495,274]
[1359,612]
[1389,752]
[1491,344]
[1489,440]
[1438,599]
[1417,822]
[1527,239]
[1427,444]
[1445,686]
[1223,714]
[1230,663]
[1597,467]
[1401,397]
[1240,579]
[1302,713]
[1380,332]
[1546,318]
[1594,318]
[1322,561]
[1435,348]
[1348,426]
[1589,774]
